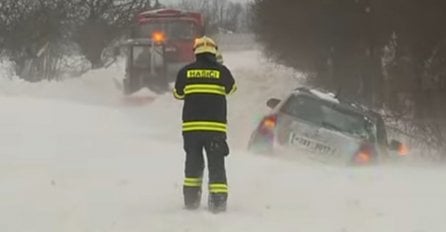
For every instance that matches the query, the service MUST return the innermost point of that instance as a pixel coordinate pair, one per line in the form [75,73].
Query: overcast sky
[170,1]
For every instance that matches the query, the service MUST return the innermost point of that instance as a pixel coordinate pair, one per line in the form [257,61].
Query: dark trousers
[214,143]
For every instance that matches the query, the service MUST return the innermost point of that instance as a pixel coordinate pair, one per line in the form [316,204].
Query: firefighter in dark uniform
[204,85]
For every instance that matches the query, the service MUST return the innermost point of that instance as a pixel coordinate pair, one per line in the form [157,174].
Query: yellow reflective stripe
[205,91]
[219,191]
[204,125]
[203,73]
[234,88]
[203,129]
[205,88]
[193,123]
[201,86]
[192,179]
[192,182]
[176,95]
[218,188]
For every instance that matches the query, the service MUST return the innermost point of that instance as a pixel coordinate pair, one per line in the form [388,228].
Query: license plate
[311,145]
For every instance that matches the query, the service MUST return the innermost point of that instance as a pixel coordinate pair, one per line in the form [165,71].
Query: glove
[219,146]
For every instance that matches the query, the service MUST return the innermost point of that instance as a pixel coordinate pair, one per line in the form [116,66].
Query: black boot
[192,197]
[217,202]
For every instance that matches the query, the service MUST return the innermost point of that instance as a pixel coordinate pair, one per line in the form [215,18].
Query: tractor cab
[161,44]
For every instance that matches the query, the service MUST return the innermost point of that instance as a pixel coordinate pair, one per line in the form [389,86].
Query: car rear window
[141,56]
[328,115]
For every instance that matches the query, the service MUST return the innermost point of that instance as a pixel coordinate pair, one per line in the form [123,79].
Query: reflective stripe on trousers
[218,188]
[192,182]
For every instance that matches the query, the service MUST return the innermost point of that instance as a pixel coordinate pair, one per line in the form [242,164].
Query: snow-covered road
[74,156]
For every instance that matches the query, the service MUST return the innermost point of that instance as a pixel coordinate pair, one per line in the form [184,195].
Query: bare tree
[102,22]
[218,14]
[33,30]
[37,34]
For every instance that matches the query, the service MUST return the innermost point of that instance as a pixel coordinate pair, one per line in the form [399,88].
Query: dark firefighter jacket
[203,85]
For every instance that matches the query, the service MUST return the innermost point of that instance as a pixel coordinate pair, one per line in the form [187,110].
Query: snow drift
[76,157]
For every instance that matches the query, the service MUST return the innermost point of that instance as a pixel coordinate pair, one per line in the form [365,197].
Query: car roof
[334,99]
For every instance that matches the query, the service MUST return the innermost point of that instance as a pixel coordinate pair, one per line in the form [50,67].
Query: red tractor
[161,43]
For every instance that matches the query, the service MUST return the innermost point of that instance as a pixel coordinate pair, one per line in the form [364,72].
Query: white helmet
[205,45]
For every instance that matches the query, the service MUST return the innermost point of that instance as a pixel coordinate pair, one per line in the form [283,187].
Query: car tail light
[364,155]
[362,158]
[403,150]
[268,124]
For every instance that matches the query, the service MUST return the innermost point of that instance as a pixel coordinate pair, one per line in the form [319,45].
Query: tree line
[220,15]
[40,36]
[389,55]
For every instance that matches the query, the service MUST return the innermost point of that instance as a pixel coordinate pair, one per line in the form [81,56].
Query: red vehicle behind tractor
[161,43]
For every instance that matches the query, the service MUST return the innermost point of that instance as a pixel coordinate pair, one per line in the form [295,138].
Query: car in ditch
[321,126]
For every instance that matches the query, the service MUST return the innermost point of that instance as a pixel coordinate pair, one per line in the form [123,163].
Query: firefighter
[204,85]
